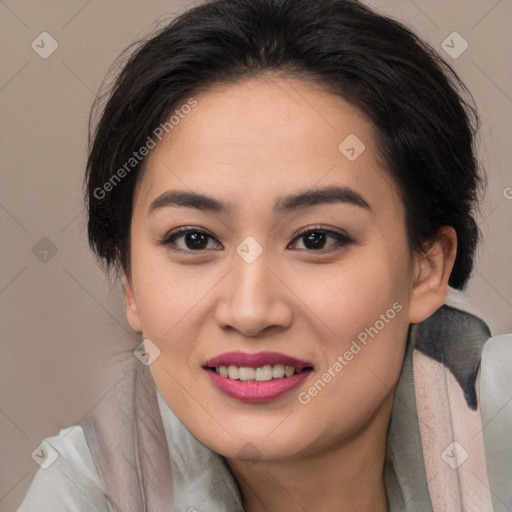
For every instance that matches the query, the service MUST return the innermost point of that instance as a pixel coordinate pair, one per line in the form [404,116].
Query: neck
[347,477]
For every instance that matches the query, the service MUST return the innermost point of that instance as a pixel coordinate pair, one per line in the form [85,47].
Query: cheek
[164,292]
[363,355]
[351,295]
[173,303]
[364,306]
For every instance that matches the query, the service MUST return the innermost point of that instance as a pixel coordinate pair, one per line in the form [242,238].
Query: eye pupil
[316,239]
[198,240]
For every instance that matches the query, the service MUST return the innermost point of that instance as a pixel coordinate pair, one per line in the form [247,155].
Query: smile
[258,377]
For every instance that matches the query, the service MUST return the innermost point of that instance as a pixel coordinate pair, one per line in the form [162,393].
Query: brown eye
[189,240]
[316,239]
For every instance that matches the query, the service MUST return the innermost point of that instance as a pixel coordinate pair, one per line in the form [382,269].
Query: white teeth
[233,371]
[263,373]
[246,373]
[278,371]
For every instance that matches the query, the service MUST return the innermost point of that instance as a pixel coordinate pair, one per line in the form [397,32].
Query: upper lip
[255,360]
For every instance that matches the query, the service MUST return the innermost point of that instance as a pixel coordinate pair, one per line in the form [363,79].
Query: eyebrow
[298,201]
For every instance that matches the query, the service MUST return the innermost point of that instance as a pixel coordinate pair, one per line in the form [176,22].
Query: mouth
[256,377]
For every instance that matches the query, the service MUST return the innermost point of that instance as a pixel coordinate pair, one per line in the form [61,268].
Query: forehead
[264,138]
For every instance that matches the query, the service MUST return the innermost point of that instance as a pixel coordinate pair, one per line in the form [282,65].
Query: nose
[254,299]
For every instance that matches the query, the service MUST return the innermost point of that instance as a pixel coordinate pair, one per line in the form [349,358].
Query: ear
[131,306]
[432,269]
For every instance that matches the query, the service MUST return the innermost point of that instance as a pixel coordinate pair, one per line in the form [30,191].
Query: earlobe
[132,314]
[432,270]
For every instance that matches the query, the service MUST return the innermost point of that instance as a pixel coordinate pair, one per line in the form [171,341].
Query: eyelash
[342,239]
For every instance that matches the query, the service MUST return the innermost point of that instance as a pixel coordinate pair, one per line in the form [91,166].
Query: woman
[287,189]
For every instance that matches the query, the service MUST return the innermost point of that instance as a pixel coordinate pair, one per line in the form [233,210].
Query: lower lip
[256,391]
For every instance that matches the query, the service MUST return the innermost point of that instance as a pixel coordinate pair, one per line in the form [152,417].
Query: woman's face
[307,259]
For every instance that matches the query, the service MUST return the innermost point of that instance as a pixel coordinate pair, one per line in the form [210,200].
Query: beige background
[61,320]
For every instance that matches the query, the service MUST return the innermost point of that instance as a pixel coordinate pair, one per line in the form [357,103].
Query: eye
[188,239]
[191,240]
[315,239]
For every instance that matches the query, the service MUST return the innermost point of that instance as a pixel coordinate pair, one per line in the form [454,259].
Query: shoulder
[496,376]
[496,411]
[67,479]
[498,348]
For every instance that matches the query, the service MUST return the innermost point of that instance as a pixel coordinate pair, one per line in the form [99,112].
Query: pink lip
[255,360]
[255,391]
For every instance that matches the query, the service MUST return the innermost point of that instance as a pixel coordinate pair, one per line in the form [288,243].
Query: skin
[250,143]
